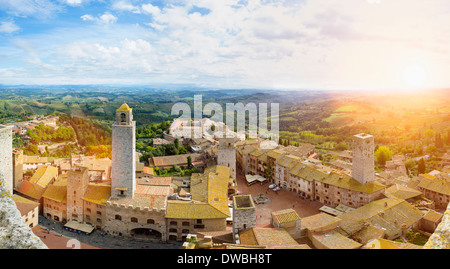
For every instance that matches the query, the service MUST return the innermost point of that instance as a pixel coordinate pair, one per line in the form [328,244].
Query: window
[172,230]
[122,117]
[199,221]
[150,221]
[185,231]
[99,213]
[118,217]
[186,223]
[88,217]
[88,210]
[134,220]
[173,223]
[99,220]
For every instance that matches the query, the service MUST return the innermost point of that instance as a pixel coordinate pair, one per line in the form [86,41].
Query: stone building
[77,183]
[94,203]
[337,189]
[282,169]
[123,172]
[244,214]
[227,155]
[435,188]
[17,167]
[289,220]
[6,160]
[363,160]
[55,200]
[207,207]
[28,209]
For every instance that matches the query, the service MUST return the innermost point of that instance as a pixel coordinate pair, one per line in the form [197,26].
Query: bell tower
[123,171]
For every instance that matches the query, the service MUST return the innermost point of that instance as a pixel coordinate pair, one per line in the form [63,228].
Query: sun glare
[414,76]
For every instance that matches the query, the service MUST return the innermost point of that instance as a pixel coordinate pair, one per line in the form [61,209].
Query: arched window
[150,221]
[185,231]
[123,117]
[172,230]
[118,217]
[134,220]
[173,223]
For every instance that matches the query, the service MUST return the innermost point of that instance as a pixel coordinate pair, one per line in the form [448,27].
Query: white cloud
[35,8]
[74,2]
[124,5]
[87,17]
[8,27]
[106,18]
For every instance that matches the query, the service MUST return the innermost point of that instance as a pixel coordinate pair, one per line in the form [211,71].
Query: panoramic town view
[250,125]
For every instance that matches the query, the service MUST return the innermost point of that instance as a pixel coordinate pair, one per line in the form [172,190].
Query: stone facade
[363,165]
[227,155]
[129,220]
[6,161]
[123,172]
[77,183]
[18,166]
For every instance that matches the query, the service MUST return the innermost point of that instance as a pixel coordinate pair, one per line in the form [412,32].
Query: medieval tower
[363,163]
[244,214]
[123,172]
[6,161]
[77,183]
[226,155]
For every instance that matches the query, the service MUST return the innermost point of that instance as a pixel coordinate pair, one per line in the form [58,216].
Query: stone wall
[14,233]
[440,239]
[6,159]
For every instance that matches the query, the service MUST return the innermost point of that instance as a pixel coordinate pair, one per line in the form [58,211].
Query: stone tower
[244,214]
[363,163]
[123,172]
[6,161]
[226,155]
[77,183]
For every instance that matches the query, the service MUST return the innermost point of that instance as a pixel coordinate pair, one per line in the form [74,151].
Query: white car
[272,186]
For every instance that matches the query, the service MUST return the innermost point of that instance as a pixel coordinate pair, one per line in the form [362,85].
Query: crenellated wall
[14,233]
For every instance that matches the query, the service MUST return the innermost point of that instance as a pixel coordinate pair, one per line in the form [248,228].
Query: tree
[383,154]
[438,142]
[176,143]
[189,162]
[428,135]
[341,146]
[421,166]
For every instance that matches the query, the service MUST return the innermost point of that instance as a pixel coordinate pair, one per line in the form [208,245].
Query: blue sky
[320,44]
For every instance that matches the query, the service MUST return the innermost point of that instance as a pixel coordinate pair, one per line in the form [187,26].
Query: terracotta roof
[389,213]
[433,216]
[44,175]
[269,237]
[434,184]
[34,159]
[209,196]
[318,221]
[172,160]
[286,215]
[335,240]
[307,172]
[97,193]
[31,190]
[24,205]
[157,181]
[288,161]
[381,243]
[346,182]
[275,153]
[402,192]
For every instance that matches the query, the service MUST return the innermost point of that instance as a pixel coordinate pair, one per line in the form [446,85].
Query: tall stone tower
[244,214]
[226,155]
[6,161]
[18,166]
[123,172]
[363,163]
[77,183]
